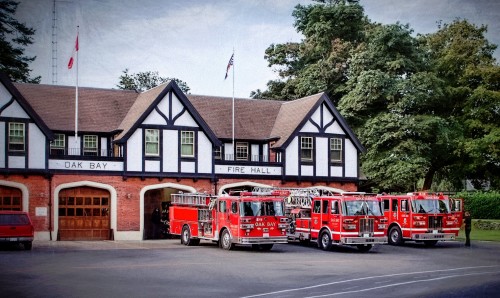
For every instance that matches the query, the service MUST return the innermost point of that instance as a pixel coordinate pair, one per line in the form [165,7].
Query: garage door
[10,198]
[84,214]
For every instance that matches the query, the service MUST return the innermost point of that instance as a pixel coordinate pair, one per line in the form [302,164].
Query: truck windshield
[262,208]
[430,206]
[361,207]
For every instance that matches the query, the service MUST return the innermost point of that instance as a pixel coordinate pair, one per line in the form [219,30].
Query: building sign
[85,165]
[247,170]
[41,211]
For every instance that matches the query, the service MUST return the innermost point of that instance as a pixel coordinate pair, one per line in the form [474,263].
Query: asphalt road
[165,268]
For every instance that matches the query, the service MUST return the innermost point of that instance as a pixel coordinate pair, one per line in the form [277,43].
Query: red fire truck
[247,218]
[354,219]
[422,217]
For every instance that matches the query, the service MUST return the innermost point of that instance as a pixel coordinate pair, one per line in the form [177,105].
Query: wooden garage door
[10,198]
[84,214]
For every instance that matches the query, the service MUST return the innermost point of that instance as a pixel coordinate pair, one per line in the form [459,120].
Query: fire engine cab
[251,218]
[353,219]
[422,217]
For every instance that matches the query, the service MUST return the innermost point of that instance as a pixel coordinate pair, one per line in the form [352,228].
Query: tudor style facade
[132,150]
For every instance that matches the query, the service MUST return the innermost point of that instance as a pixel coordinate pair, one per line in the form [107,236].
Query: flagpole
[76,90]
[234,148]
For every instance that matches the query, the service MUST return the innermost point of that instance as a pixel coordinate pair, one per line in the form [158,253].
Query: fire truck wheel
[325,241]
[225,241]
[395,237]
[430,243]
[186,236]
[364,247]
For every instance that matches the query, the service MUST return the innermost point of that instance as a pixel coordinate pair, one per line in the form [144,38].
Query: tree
[391,103]
[463,57]
[142,81]
[14,36]
[319,63]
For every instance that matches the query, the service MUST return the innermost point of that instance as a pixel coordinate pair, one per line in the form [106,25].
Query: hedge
[481,205]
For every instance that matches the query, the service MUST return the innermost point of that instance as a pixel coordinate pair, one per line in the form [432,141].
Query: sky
[192,40]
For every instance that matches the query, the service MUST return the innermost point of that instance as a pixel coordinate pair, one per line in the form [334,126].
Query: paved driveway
[165,268]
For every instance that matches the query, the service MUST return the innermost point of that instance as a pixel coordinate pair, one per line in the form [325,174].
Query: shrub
[481,205]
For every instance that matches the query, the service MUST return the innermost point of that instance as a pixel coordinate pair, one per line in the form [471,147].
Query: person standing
[467,227]
[156,220]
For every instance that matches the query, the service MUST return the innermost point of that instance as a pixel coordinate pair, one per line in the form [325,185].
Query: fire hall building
[132,150]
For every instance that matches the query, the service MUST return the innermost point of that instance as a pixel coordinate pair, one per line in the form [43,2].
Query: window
[90,145]
[325,207]
[16,137]
[187,143]
[218,152]
[317,206]
[58,144]
[241,151]
[335,207]
[152,142]
[335,150]
[306,149]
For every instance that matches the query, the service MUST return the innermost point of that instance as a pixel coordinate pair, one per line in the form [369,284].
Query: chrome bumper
[432,236]
[262,240]
[363,240]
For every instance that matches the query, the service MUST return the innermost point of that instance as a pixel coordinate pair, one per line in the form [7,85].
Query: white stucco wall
[351,159]
[134,151]
[292,156]
[321,161]
[170,151]
[36,154]
[204,153]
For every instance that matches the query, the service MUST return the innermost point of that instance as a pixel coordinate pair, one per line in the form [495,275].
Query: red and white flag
[229,65]
[75,49]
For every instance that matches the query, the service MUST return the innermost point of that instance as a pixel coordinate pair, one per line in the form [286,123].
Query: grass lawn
[475,234]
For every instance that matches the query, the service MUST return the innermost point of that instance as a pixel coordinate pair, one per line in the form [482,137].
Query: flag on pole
[229,65]
[75,49]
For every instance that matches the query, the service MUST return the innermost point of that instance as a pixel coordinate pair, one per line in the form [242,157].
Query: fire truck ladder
[193,199]
[299,197]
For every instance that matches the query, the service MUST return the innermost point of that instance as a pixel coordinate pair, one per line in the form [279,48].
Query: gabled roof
[5,80]
[253,119]
[148,100]
[291,115]
[99,110]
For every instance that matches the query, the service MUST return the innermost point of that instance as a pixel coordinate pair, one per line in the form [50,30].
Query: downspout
[50,207]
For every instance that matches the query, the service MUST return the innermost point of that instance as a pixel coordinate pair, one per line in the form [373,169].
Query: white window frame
[306,143]
[187,141]
[218,152]
[241,151]
[335,146]
[151,137]
[59,143]
[90,139]
[17,130]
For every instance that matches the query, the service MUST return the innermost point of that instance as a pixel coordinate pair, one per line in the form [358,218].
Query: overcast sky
[192,40]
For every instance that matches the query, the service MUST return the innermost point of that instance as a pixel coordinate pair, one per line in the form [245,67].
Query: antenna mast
[54,44]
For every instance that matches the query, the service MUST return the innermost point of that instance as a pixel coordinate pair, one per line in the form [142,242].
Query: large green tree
[463,58]
[391,103]
[14,37]
[319,63]
[142,81]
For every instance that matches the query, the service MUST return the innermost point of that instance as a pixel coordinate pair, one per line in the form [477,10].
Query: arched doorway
[240,186]
[84,214]
[157,196]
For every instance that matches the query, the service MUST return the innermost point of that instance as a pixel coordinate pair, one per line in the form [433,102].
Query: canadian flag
[75,49]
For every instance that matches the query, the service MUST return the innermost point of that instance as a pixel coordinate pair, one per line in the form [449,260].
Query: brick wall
[128,193]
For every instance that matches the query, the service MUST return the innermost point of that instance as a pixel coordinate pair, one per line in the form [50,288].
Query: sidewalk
[105,244]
